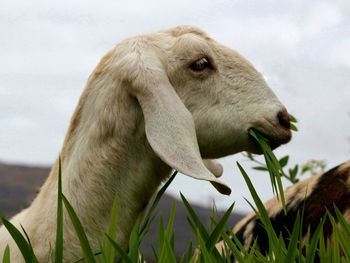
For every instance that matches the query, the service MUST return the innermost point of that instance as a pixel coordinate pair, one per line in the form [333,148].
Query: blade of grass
[120,251]
[260,168]
[322,251]
[22,243]
[272,172]
[205,254]
[335,251]
[277,172]
[281,250]
[108,252]
[292,118]
[59,224]
[6,257]
[342,238]
[311,251]
[155,255]
[293,127]
[188,255]
[237,253]
[84,243]
[236,240]
[277,177]
[213,238]
[139,231]
[161,235]
[252,252]
[293,243]
[264,217]
[134,241]
[170,228]
[150,213]
[167,254]
[273,165]
[193,226]
[166,240]
[26,236]
[342,220]
[329,250]
[193,216]
[284,161]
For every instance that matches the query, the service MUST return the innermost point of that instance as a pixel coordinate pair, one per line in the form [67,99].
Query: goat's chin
[254,148]
[257,150]
[221,151]
[218,153]
[274,143]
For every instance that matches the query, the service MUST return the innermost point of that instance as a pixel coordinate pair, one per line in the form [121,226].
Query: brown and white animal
[312,197]
[154,103]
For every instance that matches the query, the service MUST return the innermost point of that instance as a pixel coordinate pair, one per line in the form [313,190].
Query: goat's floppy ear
[169,125]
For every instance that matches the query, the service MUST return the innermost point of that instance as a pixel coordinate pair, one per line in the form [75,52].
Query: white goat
[154,103]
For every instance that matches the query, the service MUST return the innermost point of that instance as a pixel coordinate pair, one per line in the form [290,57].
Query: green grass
[274,166]
[297,248]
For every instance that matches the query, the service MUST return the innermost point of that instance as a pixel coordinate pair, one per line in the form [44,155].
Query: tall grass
[294,248]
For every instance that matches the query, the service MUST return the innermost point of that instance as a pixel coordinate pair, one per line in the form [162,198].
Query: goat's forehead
[192,42]
[190,45]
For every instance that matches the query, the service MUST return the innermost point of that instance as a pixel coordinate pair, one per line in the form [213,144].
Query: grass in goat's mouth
[272,163]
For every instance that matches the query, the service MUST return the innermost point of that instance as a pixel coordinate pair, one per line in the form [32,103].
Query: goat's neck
[103,157]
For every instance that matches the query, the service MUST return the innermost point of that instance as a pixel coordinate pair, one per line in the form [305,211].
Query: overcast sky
[48,49]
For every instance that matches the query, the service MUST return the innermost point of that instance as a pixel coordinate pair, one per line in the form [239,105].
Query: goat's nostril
[283,119]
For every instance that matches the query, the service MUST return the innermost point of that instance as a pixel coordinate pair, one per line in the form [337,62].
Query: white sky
[48,49]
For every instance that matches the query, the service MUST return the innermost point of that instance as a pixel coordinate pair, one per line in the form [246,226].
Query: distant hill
[19,184]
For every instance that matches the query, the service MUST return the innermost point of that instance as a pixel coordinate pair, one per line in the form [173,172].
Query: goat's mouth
[274,140]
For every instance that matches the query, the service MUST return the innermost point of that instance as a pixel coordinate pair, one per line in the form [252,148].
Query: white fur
[144,112]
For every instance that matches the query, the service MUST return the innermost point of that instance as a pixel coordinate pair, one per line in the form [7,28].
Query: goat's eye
[200,64]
